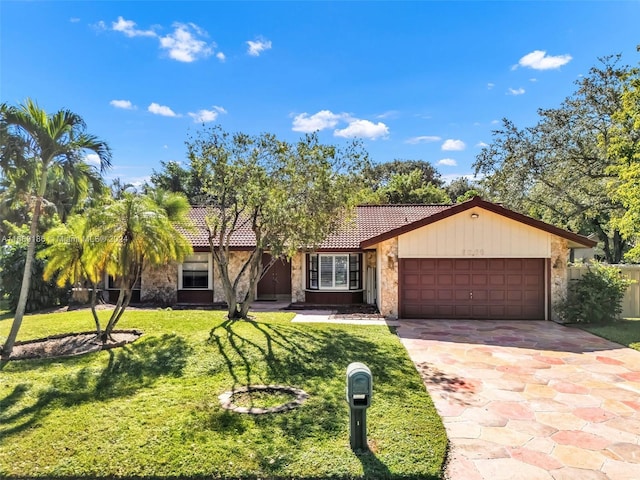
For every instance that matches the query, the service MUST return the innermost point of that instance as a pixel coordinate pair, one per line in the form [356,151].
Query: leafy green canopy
[623,145]
[290,196]
[40,145]
[558,170]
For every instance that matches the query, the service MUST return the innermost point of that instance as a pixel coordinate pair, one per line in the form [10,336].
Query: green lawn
[625,332]
[151,409]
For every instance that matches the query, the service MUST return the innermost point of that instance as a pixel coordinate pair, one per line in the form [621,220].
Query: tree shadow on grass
[314,359]
[294,355]
[128,370]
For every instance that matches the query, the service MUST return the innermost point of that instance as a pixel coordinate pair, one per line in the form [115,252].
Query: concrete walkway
[530,400]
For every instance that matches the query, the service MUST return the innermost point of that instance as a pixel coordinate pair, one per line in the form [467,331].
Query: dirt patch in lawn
[71,344]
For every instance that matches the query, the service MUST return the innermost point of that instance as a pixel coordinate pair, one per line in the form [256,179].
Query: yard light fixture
[474,215]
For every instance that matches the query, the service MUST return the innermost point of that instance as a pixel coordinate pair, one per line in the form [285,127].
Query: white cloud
[100,26]
[363,129]
[447,162]
[513,91]
[128,27]
[422,139]
[490,85]
[165,111]
[482,144]
[318,121]
[453,145]
[389,114]
[257,47]
[205,116]
[183,44]
[124,104]
[221,56]
[533,79]
[539,60]
[495,122]
[74,19]
[92,159]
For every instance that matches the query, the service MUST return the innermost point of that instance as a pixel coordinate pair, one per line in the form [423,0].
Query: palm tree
[136,230]
[55,141]
[73,254]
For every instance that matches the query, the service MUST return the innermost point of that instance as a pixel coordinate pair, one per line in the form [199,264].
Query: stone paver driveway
[530,400]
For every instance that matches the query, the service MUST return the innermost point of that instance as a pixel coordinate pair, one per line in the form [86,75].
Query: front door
[276,282]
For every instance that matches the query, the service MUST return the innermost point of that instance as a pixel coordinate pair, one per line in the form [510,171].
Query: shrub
[41,294]
[596,296]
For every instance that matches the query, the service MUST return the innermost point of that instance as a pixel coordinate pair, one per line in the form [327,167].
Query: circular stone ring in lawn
[258,398]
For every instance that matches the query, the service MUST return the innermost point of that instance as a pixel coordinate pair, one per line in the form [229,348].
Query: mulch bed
[70,344]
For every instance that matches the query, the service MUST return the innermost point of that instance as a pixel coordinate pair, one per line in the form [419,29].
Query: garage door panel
[514,279]
[411,280]
[463,311]
[445,311]
[472,288]
[514,296]
[428,295]
[479,295]
[413,294]
[428,280]
[446,295]
[479,311]
[461,295]
[496,296]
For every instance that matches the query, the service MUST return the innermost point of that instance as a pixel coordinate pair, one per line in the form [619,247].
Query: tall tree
[72,256]
[411,188]
[623,145]
[462,189]
[557,170]
[380,174]
[136,231]
[55,142]
[290,196]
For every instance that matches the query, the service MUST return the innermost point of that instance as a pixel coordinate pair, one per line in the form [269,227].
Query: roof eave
[492,207]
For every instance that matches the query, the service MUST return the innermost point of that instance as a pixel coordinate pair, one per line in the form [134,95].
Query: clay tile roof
[373,220]
[199,237]
[369,221]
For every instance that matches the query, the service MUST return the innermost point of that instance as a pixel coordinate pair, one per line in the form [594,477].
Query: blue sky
[414,80]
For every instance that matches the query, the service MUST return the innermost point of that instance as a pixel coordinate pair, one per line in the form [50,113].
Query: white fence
[631,301]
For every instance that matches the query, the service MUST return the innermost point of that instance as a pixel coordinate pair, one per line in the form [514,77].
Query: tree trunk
[94,295]
[618,247]
[255,272]
[115,316]
[28,268]
[221,257]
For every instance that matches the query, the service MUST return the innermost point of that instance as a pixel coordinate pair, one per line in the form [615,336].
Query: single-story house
[474,259]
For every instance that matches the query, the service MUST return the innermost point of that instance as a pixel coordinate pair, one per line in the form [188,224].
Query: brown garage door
[491,288]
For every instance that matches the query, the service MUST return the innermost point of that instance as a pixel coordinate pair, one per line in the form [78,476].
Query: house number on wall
[472,252]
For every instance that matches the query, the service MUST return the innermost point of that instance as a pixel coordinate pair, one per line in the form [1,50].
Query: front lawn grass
[150,409]
[625,332]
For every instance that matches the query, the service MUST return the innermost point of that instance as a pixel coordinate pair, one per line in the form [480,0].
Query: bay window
[334,271]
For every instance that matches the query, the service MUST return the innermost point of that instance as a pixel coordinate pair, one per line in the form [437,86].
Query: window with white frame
[334,271]
[195,272]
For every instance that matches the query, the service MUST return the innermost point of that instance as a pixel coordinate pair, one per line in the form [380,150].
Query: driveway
[530,400]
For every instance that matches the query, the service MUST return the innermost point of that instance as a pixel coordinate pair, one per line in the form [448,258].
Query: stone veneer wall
[159,285]
[388,287]
[236,260]
[297,277]
[559,271]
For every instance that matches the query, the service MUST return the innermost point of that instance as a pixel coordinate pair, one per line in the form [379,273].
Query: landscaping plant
[596,297]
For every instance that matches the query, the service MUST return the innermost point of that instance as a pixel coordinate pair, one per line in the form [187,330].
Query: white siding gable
[489,235]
